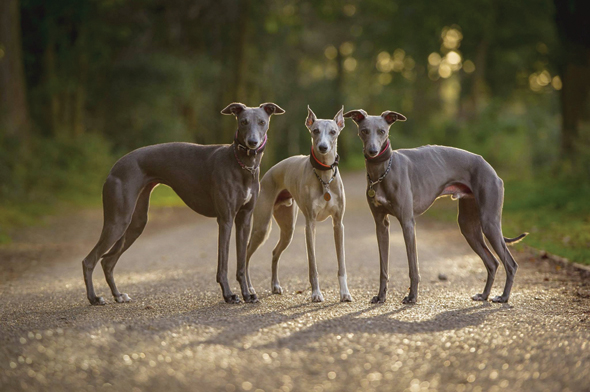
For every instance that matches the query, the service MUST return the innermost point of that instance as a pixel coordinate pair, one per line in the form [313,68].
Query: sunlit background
[92,80]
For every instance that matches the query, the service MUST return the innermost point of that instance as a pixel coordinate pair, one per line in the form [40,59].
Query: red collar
[322,166]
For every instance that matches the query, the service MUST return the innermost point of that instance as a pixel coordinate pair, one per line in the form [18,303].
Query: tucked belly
[457,191]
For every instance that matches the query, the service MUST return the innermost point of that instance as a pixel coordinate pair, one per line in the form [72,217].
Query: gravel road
[177,333]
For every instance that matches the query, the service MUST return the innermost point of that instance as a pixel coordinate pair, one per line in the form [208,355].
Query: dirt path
[178,334]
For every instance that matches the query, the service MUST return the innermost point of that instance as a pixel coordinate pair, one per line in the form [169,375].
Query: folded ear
[234,108]
[272,108]
[391,117]
[356,115]
[311,118]
[339,119]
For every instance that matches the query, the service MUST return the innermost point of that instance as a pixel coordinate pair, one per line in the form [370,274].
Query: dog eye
[261,122]
[316,131]
[244,122]
[382,131]
[332,132]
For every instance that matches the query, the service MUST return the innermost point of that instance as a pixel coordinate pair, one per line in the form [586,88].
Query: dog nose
[323,148]
[373,152]
[252,143]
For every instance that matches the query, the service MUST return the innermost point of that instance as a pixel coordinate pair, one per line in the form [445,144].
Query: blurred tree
[574,30]
[14,111]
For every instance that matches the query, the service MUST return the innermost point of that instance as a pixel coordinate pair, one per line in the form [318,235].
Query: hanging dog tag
[371,192]
[327,195]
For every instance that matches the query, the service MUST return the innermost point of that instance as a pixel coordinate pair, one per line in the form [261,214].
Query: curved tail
[510,241]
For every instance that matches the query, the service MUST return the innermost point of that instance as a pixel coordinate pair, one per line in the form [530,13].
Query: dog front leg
[316,294]
[225,225]
[408,228]
[339,240]
[382,229]
[243,226]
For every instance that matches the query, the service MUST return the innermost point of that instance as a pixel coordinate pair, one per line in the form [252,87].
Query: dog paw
[317,297]
[345,297]
[409,299]
[123,298]
[500,299]
[377,300]
[251,290]
[97,301]
[232,299]
[251,299]
[479,297]
[277,289]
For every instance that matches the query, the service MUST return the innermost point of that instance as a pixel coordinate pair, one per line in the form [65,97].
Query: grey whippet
[314,183]
[404,183]
[219,181]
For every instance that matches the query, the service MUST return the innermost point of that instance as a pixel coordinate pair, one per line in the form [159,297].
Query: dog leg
[119,203]
[471,229]
[136,227]
[491,222]
[243,227]
[408,228]
[261,226]
[225,225]
[316,294]
[494,235]
[382,229]
[339,241]
[286,217]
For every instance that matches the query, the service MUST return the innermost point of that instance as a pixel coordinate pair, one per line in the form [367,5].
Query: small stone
[442,277]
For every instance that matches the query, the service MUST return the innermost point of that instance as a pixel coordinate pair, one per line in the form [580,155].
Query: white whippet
[314,183]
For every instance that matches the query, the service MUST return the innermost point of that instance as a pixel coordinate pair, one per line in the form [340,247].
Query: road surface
[178,335]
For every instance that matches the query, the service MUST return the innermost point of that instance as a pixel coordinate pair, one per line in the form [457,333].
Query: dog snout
[372,151]
[323,148]
[252,143]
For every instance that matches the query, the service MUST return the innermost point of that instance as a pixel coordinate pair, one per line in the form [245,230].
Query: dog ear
[356,115]
[391,117]
[234,108]
[272,108]
[339,119]
[311,118]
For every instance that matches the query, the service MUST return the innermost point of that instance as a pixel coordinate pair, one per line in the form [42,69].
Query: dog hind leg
[471,229]
[136,227]
[286,217]
[119,204]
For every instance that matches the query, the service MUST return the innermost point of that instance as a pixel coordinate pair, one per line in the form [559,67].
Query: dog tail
[515,240]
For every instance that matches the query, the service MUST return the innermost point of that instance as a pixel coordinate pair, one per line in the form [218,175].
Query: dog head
[252,122]
[374,130]
[324,133]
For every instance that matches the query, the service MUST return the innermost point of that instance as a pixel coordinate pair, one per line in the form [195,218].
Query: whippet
[404,183]
[314,183]
[218,181]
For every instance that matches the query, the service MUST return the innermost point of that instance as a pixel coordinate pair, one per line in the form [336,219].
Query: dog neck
[324,162]
[248,158]
[376,166]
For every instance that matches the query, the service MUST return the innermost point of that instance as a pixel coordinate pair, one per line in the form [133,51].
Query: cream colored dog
[314,183]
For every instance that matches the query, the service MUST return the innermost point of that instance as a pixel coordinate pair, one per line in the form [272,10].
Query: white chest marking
[248,196]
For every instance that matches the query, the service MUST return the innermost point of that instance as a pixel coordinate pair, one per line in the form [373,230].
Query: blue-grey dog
[404,183]
[218,181]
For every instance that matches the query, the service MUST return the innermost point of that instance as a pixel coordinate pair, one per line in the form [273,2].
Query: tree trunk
[574,95]
[14,110]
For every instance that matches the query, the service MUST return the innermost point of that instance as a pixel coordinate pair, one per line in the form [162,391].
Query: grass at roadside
[556,214]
